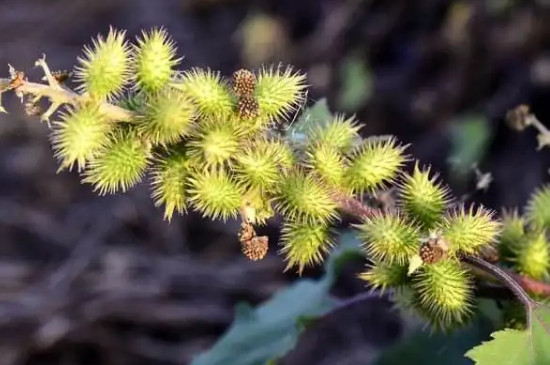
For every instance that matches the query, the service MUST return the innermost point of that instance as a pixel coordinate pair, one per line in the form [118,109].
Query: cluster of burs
[216,146]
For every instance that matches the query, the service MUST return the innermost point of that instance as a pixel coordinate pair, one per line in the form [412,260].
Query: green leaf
[269,331]
[421,347]
[356,84]
[530,347]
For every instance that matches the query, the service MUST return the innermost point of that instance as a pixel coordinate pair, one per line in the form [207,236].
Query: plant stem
[506,279]
[67,96]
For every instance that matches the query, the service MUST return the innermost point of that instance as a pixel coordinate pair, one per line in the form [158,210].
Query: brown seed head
[430,254]
[244,82]
[256,248]
[246,233]
[248,107]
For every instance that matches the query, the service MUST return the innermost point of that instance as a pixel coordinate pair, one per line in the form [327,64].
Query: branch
[57,94]
[515,282]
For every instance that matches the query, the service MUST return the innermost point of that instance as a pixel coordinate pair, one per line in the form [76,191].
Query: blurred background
[104,280]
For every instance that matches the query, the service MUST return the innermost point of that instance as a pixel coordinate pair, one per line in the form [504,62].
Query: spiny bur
[422,197]
[169,182]
[154,60]
[220,147]
[537,212]
[375,162]
[104,68]
[304,244]
[389,237]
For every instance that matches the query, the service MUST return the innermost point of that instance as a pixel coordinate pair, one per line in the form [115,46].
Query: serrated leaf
[270,330]
[530,347]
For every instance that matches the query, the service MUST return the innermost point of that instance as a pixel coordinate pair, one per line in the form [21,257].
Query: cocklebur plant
[220,146]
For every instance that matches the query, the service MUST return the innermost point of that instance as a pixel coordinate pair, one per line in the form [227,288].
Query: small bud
[518,118]
[247,107]
[244,82]
[61,76]
[327,162]
[215,141]
[533,256]
[256,248]
[258,164]
[168,116]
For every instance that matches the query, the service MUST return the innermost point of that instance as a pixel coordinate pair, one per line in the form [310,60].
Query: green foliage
[271,330]
[529,347]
